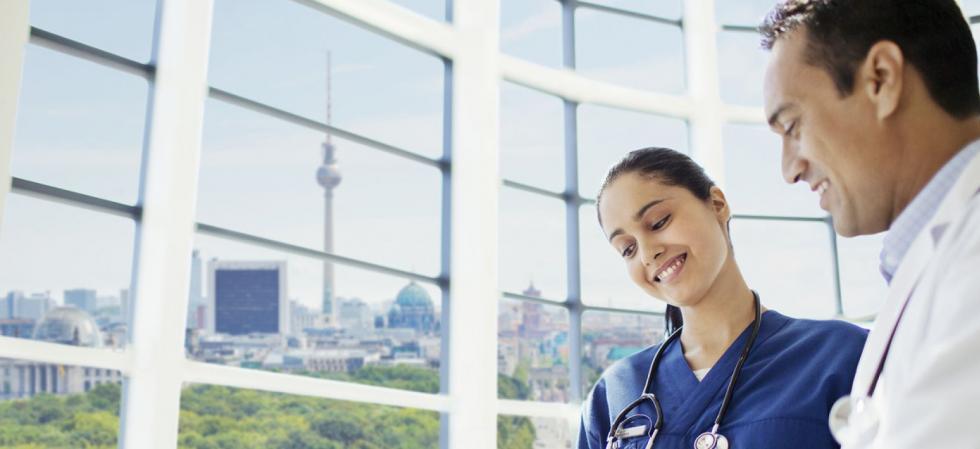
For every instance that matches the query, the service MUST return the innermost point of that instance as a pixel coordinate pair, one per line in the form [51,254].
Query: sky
[84,132]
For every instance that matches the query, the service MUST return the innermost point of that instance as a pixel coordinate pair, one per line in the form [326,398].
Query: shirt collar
[923,207]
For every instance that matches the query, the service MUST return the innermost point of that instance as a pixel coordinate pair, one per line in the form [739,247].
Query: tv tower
[328,176]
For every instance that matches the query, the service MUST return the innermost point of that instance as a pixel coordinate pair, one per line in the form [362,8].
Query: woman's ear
[719,204]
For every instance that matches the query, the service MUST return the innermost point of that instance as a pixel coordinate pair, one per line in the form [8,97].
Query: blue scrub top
[794,373]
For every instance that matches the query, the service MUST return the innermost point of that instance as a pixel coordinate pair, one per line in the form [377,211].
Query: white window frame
[154,363]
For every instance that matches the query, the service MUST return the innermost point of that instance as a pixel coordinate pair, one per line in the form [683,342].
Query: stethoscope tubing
[646,395]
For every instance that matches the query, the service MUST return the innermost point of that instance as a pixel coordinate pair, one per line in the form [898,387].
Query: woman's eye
[628,251]
[660,224]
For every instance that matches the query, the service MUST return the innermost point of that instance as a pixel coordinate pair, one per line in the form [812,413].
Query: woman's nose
[650,254]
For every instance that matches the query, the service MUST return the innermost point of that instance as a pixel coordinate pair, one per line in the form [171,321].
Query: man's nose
[793,166]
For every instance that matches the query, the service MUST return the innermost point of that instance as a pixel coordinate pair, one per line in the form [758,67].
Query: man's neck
[924,156]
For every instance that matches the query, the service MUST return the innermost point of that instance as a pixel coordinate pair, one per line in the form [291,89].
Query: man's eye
[660,224]
[790,129]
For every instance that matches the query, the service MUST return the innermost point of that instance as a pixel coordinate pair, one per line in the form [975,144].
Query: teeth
[822,188]
[670,270]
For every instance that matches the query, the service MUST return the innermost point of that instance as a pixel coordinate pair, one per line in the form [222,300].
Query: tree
[215,417]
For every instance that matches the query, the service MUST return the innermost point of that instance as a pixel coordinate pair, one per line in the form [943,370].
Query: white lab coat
[929,392]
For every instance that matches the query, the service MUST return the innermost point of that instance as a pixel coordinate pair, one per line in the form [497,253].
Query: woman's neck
[712,324]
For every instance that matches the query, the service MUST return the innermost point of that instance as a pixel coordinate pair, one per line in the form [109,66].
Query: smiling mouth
[822,187]
[670,269]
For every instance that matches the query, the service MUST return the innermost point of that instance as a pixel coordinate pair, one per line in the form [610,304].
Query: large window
[269,223]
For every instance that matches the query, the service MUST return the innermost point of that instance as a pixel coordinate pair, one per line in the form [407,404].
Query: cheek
[637,272]
[709,247]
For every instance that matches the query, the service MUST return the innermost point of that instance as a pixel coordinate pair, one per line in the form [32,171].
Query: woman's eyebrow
[638,216]
[646,207]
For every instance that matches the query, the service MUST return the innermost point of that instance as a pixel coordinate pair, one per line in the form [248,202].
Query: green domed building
[413,309]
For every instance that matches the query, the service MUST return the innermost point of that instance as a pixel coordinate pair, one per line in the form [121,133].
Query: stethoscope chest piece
[854,421]
[710,440]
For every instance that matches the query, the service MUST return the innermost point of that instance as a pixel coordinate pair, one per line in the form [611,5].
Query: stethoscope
[707,440]
[855,420]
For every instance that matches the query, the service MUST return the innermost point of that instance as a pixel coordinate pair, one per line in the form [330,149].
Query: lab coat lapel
[914,263]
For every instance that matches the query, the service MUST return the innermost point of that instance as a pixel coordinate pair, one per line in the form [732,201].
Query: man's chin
[844,226]
[847,226]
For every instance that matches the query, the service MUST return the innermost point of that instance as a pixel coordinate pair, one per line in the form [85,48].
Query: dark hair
[933,35]
[669,167]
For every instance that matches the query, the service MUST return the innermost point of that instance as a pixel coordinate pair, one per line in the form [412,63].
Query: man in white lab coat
[878,106]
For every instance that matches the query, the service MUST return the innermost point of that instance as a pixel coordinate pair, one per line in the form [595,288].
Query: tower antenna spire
[328,176]
[329,104]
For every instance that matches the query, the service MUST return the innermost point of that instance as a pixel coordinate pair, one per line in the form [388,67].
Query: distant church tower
[328,176]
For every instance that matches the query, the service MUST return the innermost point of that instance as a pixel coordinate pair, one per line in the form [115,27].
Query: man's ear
[881,77]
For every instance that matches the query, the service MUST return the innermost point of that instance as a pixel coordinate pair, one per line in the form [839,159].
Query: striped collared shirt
[922,208]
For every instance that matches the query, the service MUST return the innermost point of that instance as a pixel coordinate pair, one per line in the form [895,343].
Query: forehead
[788,77]
[627,194]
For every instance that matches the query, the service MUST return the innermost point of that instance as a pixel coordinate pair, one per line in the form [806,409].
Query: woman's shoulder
[828,329]
[826,337]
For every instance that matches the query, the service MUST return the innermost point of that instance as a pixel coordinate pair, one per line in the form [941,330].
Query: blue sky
[84,132]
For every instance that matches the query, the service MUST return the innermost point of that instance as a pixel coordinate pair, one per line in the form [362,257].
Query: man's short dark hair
[933,35]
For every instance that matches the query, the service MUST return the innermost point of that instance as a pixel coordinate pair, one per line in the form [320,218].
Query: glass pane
[607,46]
[605,282]
[976,33]
[789,264]
[970,7]
[214,416]
[521,432]
[606,135]
[531,143]
[58,406]
[259,175]
[741,64]
[123,27]
[383,330]
[532,351]
[531,30]
[433,9]
[50,287]
[863,288]
[743,12]
[753,174]
[82,132]
[608,337]
[667,9]
[275,52]
[532,244]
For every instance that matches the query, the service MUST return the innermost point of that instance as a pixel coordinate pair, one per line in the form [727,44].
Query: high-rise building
[195,299]
[328,176]
[8,305]
[247,298]
[124,304]
[531,313]
[33,307]
[302,317]
[355,314]
[83,298]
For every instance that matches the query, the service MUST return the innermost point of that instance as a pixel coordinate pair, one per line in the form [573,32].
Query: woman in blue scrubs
[669,222]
